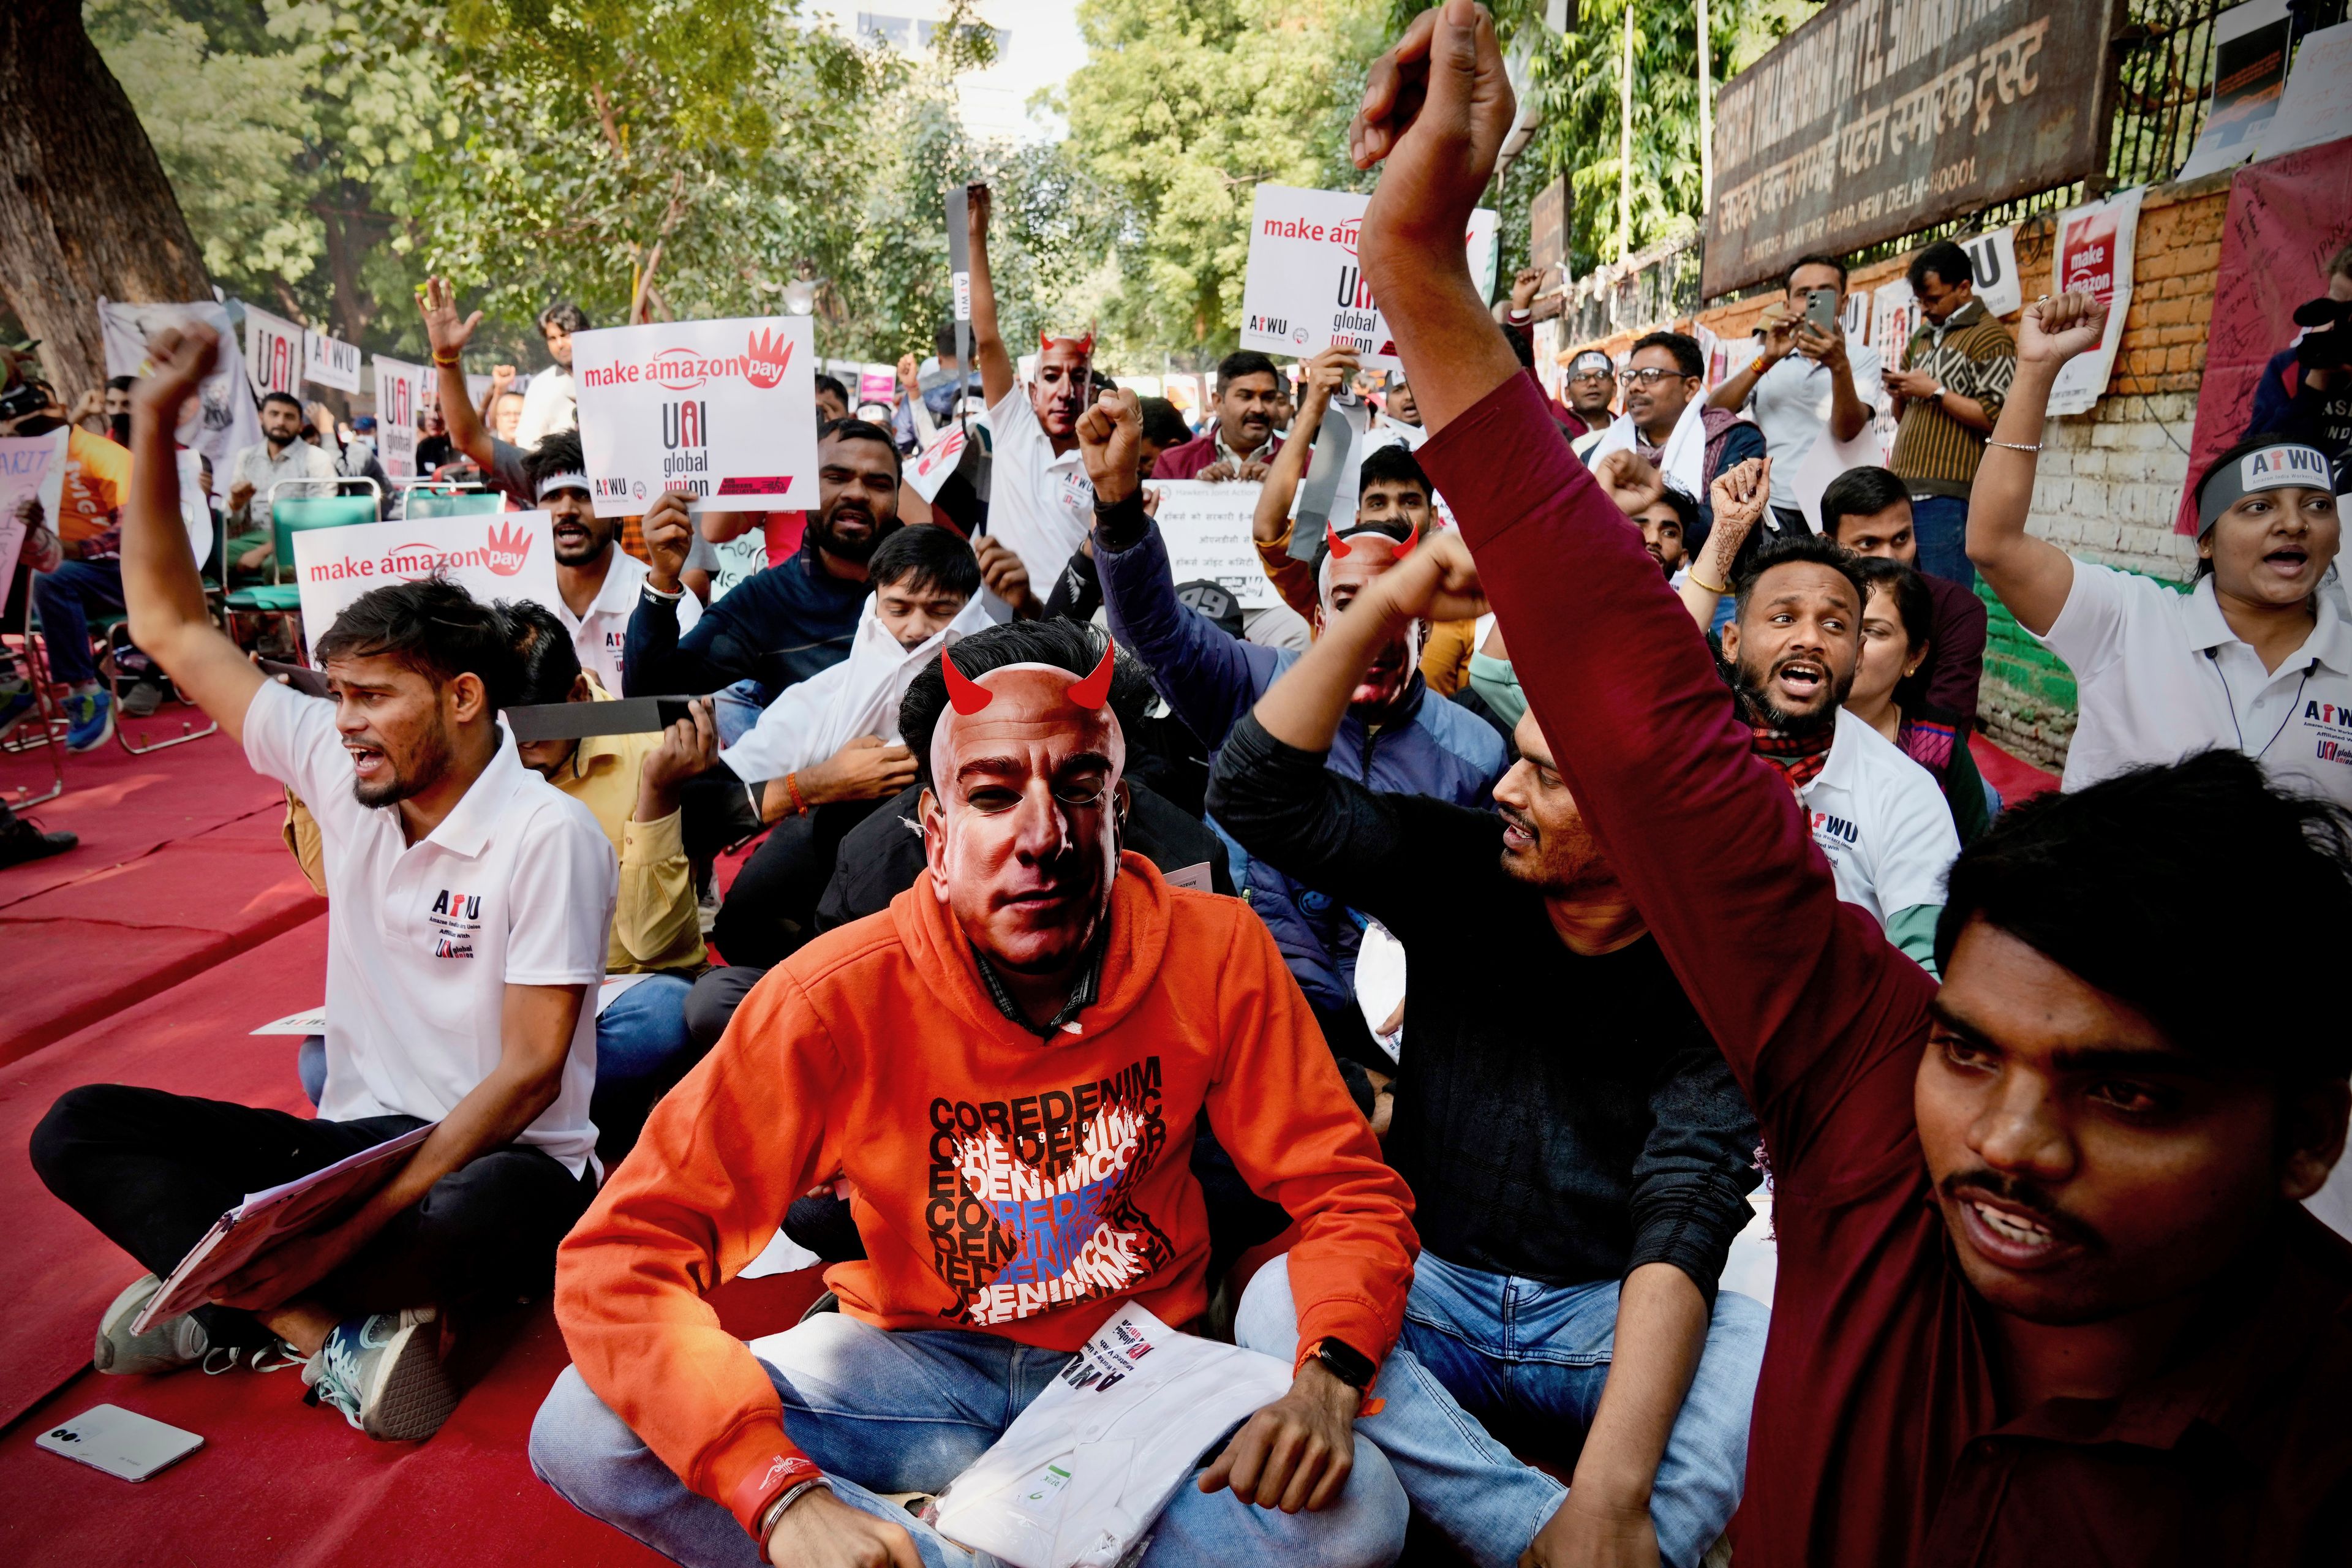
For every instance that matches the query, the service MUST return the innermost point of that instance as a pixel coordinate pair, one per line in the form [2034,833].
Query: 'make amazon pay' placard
[725,411]
[1305,291]
[502,555]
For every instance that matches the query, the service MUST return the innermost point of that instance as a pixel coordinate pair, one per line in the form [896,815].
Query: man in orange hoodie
[1007,1064]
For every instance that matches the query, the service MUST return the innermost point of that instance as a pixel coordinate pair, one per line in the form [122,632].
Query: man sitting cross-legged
[1038,1007]
[467,919]
[1578,1153]
[2045,1290]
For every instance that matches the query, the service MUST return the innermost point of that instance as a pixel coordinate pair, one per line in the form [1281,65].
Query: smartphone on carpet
[122,1443]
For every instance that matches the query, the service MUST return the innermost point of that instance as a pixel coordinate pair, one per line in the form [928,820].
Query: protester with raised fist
[2045,1290]
[2257,658]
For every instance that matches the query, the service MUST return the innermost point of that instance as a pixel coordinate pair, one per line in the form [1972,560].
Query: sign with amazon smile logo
[723,411]
[507,555]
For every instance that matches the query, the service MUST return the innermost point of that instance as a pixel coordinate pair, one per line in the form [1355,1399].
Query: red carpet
[2016,778]
[179,868]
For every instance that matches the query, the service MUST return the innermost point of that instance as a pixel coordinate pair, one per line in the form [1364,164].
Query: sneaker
[15,706]
[20,841]
[90,721]
[168,1346]
[141,701]
[383,1372]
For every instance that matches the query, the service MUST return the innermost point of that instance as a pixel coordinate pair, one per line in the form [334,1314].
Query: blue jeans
[909,1411]
[1941,524]
[642,1048]
[735,708]
[1488,1348]
[64,598]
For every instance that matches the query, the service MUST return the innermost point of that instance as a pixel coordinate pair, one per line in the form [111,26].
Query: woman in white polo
[2257,658]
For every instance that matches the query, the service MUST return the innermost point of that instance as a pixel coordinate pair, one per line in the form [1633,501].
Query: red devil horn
[1340,547]
[1095,689]
[1045,341]
[967,696]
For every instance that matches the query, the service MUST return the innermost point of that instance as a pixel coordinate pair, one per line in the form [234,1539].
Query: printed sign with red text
[501,555]
[725,411]
[1305,291]
[2095,255]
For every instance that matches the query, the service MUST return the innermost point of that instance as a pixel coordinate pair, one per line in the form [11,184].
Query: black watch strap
[1345,1362]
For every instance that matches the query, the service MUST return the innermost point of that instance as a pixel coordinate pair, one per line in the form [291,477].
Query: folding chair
[429,499]
[115,628]
[280,598]
[47,725]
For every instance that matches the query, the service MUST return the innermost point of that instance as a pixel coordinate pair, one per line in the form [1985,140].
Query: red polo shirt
[1877,1437]
[1185,462]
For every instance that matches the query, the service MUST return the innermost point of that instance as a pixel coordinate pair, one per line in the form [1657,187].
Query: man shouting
[1007,1064]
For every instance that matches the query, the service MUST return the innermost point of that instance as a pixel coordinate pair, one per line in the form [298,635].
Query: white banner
[1992,263]
[1206,528]
[502,555]
[273,352]
[738,558]
[32,470]
[222,422]
[2095,252]
[725,410]
[330,362]
[401,391]
[1303,290]
[928,473]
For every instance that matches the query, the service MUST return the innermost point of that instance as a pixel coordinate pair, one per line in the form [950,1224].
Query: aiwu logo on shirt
[1032,1203]
[1837,828]
[2331,725]
[456,920]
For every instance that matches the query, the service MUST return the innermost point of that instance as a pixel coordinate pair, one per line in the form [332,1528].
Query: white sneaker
[383,1372]
[168,1346]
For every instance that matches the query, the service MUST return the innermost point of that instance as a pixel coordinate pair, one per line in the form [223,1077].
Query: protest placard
[931,470]
[738,558]
[2250,47]
[2317,106]
[1206,529]
[273,352]
[503,555]
[2093,253]
[723,410]
[32,485]
[400,391]
[1303,290]
[222,421]
[330,362]
[1992,267]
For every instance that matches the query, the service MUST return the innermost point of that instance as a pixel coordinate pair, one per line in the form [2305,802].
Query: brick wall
[2109,481]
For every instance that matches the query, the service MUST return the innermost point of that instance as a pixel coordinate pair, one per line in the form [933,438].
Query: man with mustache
[2046,1292]
[468,907]
[1008,1065]
[1578,1154]
[598,585]
[1040,505]
[1397,734]
[1242,442]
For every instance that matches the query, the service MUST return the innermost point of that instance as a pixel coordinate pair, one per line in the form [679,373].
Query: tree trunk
[85,209]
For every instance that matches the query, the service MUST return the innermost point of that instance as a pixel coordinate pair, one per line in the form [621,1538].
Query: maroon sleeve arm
[1958,631]
[1817,1014]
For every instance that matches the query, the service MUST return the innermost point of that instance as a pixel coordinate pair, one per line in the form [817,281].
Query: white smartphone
[120,1442]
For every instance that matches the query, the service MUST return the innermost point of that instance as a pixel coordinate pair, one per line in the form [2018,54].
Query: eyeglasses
[1593,375]
[1650,377]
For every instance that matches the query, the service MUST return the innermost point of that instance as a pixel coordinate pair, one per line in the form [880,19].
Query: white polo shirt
[515,887]
[1792,402]
[1039,505]
[599,636]
[1881,820]
[2159,674]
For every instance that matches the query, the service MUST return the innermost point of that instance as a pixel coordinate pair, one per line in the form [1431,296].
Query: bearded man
[1039,1010]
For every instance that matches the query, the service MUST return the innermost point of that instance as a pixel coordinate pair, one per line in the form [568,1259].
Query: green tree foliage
[1182,108]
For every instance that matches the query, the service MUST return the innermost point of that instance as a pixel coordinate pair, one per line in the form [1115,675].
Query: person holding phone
[1805,378]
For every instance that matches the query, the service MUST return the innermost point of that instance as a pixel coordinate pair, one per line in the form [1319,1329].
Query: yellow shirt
[656,924]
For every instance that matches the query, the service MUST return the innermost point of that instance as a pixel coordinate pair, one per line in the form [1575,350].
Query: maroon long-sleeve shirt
[1876,1439]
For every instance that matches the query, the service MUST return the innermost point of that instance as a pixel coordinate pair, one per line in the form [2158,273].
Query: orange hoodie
[1003,1184]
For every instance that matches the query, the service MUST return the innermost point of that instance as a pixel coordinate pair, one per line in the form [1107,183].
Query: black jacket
[1561,1118]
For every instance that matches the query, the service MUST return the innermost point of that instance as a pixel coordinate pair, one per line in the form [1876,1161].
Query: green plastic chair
[290,515]
[423,503]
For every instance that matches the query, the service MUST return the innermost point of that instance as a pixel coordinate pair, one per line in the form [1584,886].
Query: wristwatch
[1937,394]
[1345,1362]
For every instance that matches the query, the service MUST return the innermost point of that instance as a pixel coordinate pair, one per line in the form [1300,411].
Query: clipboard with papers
[265,1218]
